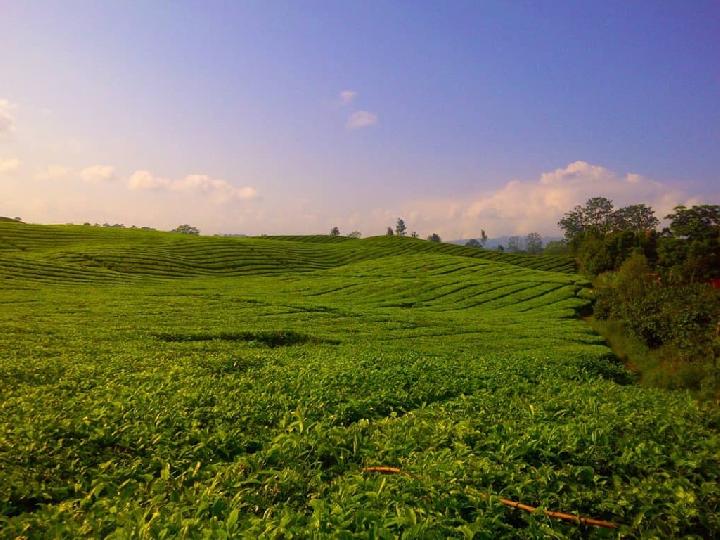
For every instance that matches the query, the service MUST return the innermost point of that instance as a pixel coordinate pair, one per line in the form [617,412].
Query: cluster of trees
[113,226]
[335,231]
[532,243]
[186,229]
[400,229]
[658,285]
[478,242]
[687,250]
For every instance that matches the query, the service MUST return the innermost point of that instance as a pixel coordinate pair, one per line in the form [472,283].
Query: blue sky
[230,115]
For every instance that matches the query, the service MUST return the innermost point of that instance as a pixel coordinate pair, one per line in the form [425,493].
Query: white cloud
[347,96]
[9,165]
[218,190]
[98,173]
[53,172]
[7,120]
[361,119]
[146,180]
[520,207]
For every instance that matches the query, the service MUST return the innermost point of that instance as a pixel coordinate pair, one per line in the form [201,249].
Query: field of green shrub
[163,386]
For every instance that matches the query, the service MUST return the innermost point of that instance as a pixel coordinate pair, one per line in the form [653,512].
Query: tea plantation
[158,385]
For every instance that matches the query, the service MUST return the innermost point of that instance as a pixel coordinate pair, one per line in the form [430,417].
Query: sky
[270,117]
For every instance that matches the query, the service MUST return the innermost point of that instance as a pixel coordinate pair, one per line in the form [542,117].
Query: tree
[597,254]
[689,249]
[186,229]
[355,234]
[597,216]
[390,232]
[478,242]
[514,244]
[695,223]
[334,231]
[638,218]
[434,237]
[400,227]
[533,243]
[556,247]
[500,248]
[572,224]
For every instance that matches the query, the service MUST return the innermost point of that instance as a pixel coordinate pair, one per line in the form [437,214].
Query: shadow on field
[269,338]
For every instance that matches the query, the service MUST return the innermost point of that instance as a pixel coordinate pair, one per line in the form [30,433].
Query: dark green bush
[679,315]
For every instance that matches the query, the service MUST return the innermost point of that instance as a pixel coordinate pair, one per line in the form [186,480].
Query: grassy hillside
[80,253]
[156,385]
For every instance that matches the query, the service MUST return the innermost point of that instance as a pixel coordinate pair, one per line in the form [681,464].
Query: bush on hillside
[186,229]
[680,316]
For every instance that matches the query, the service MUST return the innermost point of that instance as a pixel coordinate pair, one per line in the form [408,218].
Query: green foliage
[680,319]
[556,247]
[602,238]
[596,217]
[695,223]
[184,229]
[167,386]
[434,237]
[691,248]
[692,257]
[659,293]
[636,218]
[400,227]
[597,254]
[534,243]
[661,367]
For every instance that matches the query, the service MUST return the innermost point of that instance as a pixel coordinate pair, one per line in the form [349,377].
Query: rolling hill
[158,385]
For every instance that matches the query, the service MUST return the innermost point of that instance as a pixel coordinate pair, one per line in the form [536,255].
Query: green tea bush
[140,402]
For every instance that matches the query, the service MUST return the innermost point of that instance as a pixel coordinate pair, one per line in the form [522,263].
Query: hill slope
[80,253]
[214,405]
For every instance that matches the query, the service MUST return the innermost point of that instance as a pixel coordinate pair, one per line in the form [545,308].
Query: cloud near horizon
[9,165]
[7,120]
[217,189]
[98,173]
[362,119]
[521,207]
[60,194]
[53,172]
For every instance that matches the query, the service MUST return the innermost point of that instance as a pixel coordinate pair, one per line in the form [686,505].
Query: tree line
[531,244]
[660,286]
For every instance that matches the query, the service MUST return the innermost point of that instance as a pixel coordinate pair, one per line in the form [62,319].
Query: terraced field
[160,386]
[78,253]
